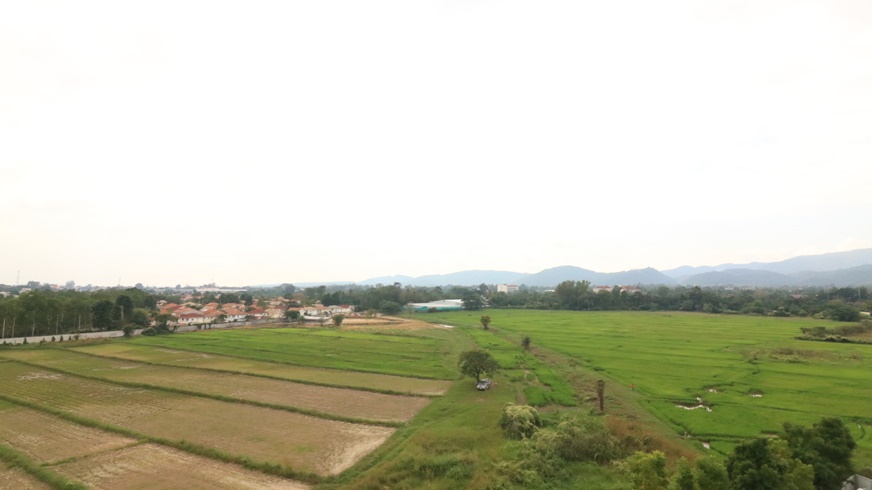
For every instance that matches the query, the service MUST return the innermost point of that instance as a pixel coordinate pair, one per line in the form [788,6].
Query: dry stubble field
[162,418]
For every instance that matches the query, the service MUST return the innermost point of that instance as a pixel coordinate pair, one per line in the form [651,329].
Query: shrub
[519,421]
[648,470]
[586,438]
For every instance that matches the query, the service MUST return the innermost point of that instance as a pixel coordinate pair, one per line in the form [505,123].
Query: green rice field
[746,375]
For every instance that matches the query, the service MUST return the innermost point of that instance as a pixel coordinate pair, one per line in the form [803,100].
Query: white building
[507,288]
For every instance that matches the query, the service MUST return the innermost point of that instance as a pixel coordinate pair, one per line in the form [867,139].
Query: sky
[190,142]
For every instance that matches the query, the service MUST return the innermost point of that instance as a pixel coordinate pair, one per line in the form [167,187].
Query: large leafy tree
[34,304]
[826,446]
[103,311]
[472,300]
[474,363]
[762,464]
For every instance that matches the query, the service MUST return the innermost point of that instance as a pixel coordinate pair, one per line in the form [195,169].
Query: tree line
[45,311]
[842,304]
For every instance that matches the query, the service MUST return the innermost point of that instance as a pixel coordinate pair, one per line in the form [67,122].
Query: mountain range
[838,269]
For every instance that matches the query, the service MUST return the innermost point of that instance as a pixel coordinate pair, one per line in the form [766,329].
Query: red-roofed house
[233,315]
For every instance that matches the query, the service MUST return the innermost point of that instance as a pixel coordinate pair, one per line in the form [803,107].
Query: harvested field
[351,379]
[19,480]
[420,354]
[299,442]
[343,402]
[154,466]
[48,439]
[390,323]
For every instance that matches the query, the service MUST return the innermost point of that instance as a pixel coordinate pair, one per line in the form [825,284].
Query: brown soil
[19,480]
[47,439]
[154,466]
[390,323]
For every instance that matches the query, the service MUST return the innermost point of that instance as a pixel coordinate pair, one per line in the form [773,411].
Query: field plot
[334,377]
[154,466]
[50,439]
[19,480]
[746,375]
[298,442]
[343,402]
[415,353]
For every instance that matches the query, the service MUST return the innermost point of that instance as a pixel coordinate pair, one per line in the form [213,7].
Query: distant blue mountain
[839,269]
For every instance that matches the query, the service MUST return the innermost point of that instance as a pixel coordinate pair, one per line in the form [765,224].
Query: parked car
[483,384]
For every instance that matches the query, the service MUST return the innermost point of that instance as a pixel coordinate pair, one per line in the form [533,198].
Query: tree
[229,298]
[124,308]
[710,474]
[572,295]
[683,477]
[389,307]
[337,320]
[474,363]
[471,300]
[139,317]
[525,342]
[761,464]
[102,311]
[33,302]
[827,446]
[485,321]
[292,315]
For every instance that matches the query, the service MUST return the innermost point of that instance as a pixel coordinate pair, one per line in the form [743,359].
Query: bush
[128,330]
[586,438]
[519,421]
[648,470]
[149,332]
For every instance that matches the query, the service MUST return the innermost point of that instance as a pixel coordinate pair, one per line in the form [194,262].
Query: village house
[233,315]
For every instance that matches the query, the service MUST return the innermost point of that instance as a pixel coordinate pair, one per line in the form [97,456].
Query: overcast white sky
[188,141]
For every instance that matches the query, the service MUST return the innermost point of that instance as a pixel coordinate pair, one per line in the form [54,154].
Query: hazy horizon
[192,142]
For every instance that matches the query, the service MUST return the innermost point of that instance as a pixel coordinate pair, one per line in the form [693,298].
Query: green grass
[673,358]
[17,459]
[543,385]
[452,430]
[417,353]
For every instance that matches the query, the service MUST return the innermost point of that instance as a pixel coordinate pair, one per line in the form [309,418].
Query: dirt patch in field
[47,438]
[391,323]
[344,457]
[153,466]
[19,480]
